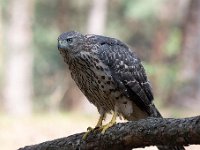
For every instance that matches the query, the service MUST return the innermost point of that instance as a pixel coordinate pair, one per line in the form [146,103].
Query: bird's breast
[94,79]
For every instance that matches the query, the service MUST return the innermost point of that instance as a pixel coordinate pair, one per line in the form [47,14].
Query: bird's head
[70,43]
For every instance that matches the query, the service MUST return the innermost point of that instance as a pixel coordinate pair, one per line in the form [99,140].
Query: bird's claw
[89,129]
[105,127]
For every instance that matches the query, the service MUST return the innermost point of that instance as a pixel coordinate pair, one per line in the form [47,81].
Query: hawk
[110,75]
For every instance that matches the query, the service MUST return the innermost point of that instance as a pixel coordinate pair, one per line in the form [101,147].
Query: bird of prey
[111,76]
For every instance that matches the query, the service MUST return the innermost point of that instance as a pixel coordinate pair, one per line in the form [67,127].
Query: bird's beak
[62,44]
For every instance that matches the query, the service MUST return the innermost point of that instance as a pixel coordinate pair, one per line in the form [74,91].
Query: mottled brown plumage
[109,74]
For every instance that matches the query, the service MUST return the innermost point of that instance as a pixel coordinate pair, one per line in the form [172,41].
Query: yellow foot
[105,127]
[110,124]
[89,129]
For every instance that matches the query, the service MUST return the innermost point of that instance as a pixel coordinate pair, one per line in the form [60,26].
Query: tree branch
[125,136]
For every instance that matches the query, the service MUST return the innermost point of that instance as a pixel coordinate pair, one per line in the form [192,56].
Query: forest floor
[16,132]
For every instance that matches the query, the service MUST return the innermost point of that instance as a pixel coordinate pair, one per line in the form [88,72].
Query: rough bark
[125,136]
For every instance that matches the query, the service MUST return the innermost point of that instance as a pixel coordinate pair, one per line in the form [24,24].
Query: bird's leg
[110,124]
[98,125]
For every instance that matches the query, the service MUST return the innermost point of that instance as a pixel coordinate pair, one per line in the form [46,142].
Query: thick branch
[146,132]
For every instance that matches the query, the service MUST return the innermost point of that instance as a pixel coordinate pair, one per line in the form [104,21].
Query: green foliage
[173,45]
[141,9]
[163,76]
[150,69]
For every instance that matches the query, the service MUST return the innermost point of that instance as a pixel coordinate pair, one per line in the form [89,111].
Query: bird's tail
[155,113]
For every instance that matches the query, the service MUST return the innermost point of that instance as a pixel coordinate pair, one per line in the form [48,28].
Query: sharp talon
[89,129]
[104,128]
[99,125]
[96,128]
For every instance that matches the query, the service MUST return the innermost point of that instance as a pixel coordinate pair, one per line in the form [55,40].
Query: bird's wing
[127,71]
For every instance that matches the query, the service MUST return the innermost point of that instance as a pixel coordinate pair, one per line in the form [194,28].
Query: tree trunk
[1,42]
[97,17]
[189,75]
[18,73]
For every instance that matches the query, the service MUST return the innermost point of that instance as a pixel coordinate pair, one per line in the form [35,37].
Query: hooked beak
[62,44]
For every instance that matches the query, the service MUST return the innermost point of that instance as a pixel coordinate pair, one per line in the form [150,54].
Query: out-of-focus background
[39,101]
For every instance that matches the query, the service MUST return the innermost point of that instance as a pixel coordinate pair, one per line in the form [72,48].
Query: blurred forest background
[39,101]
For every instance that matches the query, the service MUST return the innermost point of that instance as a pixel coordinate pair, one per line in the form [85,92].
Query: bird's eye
[69,40]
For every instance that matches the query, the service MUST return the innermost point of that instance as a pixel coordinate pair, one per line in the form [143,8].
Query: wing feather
[126,70]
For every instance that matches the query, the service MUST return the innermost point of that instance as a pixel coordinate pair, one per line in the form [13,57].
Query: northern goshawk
[111,76]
